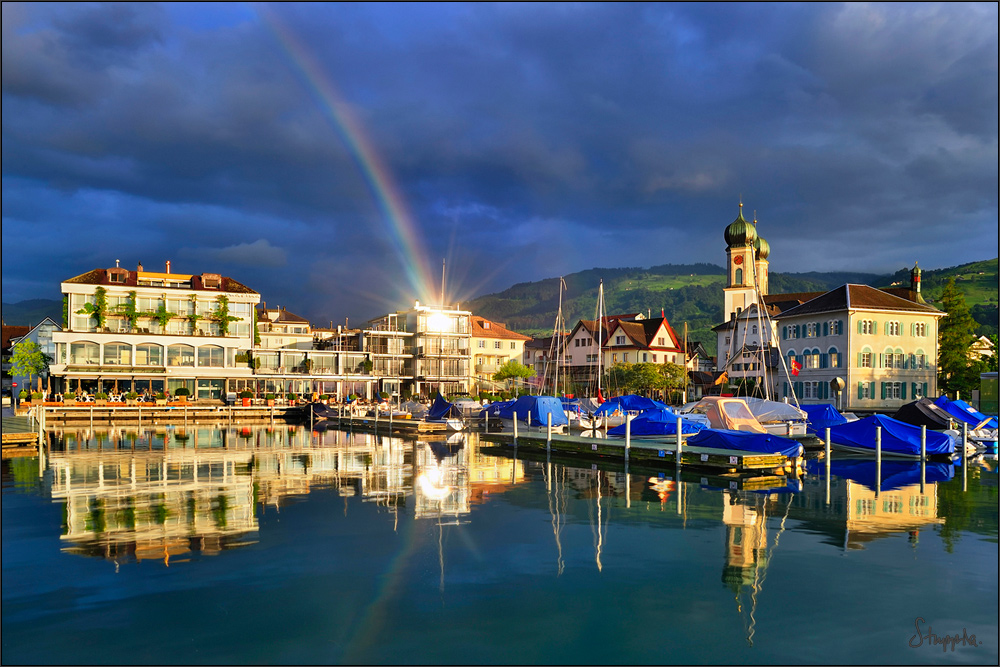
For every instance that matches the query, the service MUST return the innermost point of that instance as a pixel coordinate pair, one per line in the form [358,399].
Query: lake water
[278,545]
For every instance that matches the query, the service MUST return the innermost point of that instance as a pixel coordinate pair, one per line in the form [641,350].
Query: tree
[28,360]
[672,376]
[513,370]
[956,333]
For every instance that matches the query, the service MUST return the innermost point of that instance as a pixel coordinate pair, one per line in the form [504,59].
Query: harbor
[348,536]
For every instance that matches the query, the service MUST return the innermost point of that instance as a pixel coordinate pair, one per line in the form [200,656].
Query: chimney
[168,266]
[139,269]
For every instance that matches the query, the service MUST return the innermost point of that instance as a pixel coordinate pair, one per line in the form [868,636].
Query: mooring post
[965,456]
[548,431]
[41,428]
[923,457]
[628,436]
[515,428]
[678,456]
[826,458]
[91,417]
[487,411]
[878,460]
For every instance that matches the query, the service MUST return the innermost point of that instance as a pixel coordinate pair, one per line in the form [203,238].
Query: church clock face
[738,260]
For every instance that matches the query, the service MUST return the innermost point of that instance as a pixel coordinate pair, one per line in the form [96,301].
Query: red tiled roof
[495,330]
[13,331]
[101,277]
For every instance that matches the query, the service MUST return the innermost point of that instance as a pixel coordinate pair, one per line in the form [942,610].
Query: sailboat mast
[600,335]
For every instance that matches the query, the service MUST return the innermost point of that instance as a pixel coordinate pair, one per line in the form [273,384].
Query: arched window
[211,356]
[148,354]
[834,358]
[119,354]
[180,355]
[84,352]
[739,277]
[865,358]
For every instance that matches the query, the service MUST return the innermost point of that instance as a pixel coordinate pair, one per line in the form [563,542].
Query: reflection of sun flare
[432,485]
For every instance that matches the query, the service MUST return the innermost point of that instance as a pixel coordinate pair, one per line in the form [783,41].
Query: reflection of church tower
[741,263]
[746,546]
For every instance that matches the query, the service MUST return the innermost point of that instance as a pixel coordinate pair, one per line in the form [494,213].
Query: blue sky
[521,141]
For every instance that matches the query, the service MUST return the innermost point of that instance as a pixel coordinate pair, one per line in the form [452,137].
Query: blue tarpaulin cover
[895,474]
[897,437]
[630,403]
[535,406]
[763,443]
[965,412]
[821,417]
[442,409]
[657,422]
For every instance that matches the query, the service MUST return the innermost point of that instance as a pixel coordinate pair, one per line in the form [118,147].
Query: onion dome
[740,232]
[763,248]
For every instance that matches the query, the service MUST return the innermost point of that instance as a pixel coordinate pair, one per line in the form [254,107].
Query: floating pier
[650,452]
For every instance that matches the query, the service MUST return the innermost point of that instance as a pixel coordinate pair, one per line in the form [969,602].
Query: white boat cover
[774,411]
[730,414]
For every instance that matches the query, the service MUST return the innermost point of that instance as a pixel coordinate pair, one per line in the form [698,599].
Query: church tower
[741,265]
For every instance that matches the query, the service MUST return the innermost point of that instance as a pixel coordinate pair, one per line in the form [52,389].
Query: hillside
[693,294]
[32,311]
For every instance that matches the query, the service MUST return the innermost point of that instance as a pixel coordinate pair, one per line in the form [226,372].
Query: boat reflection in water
[165,493]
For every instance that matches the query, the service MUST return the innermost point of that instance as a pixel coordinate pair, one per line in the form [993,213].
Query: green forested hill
[693,294]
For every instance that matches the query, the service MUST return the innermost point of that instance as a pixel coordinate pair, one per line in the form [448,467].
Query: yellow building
[493,345]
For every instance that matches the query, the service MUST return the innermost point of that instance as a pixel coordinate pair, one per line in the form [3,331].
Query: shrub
[182,391]
[291,396]
[23,395]
[246,393]
[132,396]
[269,397]
[160,395]
[324,397]
[101,396]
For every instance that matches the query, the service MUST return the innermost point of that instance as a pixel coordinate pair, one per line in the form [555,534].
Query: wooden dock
[414,427]
[648,452]
[18,438]
[176,413]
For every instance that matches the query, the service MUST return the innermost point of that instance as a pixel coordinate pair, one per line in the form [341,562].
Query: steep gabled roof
[643,333]
[13,331]
[859,297]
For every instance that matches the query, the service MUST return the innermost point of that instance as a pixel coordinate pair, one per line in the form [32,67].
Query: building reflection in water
[164,493]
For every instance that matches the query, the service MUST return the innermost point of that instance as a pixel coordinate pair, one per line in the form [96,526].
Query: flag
[600,399]
[663,314]
[796,367]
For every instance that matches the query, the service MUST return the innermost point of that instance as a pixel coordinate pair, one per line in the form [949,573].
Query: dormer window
[211,280]
[118,276]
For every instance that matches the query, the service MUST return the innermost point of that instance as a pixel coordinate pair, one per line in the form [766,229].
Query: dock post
[185,416]
[41,428]
[678,456]
[548,431]
[826,458]
[965,456]
[515,429]
[139,419]
[628,436]
[878,460]
[923,457]
[487,411]
[91,418]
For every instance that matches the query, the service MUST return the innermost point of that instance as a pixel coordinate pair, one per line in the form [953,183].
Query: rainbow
[403,231]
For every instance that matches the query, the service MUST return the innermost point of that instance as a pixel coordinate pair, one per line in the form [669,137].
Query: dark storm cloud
[527,140]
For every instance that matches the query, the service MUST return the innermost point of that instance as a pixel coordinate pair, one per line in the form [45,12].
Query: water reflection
[165,492]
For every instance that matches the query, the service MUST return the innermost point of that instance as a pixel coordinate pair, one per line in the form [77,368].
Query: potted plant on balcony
[182,394]
[132,398]
[100,399]
[292,398]
[270,399]
[246,395]
[161,398]
[325,398]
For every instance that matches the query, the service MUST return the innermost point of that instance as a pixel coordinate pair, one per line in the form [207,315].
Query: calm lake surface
[277,545]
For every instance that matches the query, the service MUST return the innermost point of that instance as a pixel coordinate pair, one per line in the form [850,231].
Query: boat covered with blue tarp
[657,422]
[895,474]
[629,403]
[898,438]
[746,441]
[821,417]
[963,411]
[442,409]
[533,408]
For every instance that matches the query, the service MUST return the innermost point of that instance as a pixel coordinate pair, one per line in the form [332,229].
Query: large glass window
[118,354]
[148,354]
[84,353]
[211,356]
[180,355]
